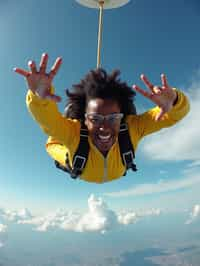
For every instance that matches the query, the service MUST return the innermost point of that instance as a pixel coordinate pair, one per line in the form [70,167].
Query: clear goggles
[98,119]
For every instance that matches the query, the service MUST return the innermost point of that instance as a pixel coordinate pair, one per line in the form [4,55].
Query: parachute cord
[101,3]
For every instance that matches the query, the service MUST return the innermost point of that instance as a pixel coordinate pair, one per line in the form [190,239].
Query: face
[103,131]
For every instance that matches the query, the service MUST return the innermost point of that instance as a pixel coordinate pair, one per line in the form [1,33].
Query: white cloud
[3,234]
[127,218]
[3,228]
[131,217]
[194,215]
[152,212]
[11,215]
[98,218]
[159,187]
[181,142]
[44,223]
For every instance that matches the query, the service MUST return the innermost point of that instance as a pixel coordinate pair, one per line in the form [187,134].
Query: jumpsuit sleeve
[145,123]
[51,121]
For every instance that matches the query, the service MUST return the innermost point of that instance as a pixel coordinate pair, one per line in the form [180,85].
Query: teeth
[104,137]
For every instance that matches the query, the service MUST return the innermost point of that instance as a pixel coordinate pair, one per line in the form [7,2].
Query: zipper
[105,164]
[105,171]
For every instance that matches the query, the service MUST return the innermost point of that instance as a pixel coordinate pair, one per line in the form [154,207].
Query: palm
[163,96]
[39,82]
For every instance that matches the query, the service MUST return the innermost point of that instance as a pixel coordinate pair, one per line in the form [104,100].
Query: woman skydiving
[99,133]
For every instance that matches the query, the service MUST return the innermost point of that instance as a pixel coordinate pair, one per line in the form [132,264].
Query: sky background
[150,217]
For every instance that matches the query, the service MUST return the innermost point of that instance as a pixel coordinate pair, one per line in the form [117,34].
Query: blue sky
[150,37]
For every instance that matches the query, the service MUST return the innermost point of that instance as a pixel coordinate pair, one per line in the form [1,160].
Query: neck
[104,153]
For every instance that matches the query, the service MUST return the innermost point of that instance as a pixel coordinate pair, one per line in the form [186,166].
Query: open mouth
[104,138]
[103,142]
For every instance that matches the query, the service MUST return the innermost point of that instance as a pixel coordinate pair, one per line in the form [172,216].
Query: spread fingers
[32,66]
[22,72]
[147,82]
[43,63]
[164,80]
[55,67]
[143,92]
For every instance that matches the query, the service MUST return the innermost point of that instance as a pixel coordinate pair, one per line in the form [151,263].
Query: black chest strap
[126,148]
[80,156]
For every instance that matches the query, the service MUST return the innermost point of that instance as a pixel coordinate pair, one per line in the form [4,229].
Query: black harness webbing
[81,155]
[126,148]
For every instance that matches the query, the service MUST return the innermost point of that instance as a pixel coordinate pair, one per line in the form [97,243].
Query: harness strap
[80,156]
[126,148]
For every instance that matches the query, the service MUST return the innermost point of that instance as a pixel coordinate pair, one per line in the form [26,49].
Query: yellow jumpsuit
[65,135]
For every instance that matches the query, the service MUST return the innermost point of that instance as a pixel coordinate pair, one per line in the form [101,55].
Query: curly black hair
[98,84]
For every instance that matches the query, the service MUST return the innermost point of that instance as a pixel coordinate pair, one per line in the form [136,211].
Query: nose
[104,127]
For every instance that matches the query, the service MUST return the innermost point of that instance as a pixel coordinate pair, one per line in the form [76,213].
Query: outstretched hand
[39,82]
[163,96]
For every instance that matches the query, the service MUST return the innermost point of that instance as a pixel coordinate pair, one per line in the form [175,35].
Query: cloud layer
[98,218]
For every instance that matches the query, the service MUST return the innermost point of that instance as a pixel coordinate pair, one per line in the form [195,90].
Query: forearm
[45,112]
[147,121]
[51,121]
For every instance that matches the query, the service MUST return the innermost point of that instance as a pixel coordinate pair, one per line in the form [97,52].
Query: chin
[106,148]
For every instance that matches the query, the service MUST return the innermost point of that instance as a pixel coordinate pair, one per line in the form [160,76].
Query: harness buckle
[128,158]
[79,162]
